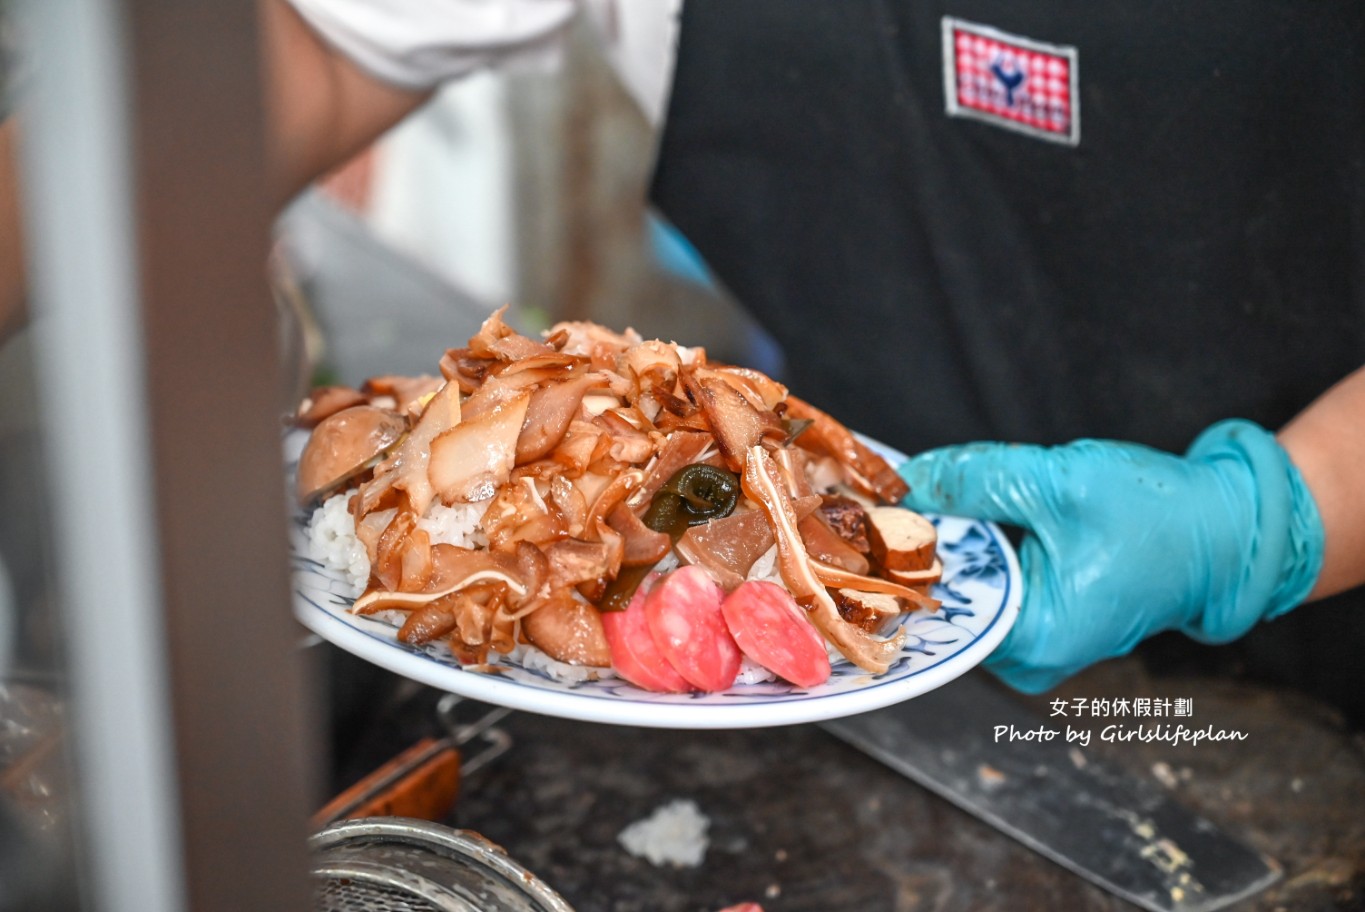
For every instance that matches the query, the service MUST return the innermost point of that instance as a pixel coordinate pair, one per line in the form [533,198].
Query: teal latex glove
[1123,541]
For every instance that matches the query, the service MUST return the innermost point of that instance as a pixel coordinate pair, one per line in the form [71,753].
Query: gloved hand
[1123,541]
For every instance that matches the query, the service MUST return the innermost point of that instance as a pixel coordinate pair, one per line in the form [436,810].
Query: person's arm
[1327,444]
[321,108]
[340,72]
[12,286]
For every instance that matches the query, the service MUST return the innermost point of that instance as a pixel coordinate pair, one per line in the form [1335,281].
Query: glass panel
[36,858]
[146,240]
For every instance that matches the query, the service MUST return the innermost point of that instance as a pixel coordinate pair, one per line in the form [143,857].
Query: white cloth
[640,41]
[418,44]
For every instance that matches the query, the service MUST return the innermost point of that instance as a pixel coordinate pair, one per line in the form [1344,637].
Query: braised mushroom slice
[568,630]
[325,401]
[343,446]
[848,518]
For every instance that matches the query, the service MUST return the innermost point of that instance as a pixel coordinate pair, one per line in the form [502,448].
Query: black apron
[936,279]
[1188,247]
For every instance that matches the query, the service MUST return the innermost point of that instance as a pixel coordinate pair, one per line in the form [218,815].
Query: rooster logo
[1010,78]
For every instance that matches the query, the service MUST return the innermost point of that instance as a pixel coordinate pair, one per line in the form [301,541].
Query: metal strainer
[398,864]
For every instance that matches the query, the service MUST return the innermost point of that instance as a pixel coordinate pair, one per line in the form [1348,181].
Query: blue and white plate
[981,591]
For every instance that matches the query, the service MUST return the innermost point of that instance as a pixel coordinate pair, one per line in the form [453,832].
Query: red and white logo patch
[1010,81]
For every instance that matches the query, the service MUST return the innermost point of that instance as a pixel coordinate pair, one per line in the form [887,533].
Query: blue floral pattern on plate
[980,591]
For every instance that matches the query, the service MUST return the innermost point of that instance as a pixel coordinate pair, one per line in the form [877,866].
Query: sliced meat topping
[856,645]
[737,424]
[863,467]
[498,341]
[848,519]
[643,546]
[324,401]
[569,630]
[469,461]
[549,414]
[728,547]
[824,544]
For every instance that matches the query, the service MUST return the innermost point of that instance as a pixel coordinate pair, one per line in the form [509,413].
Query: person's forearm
[1327,443]
[321,108]
[12,286]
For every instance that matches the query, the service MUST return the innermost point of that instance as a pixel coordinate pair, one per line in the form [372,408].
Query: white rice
[457,525]
[332,542]
[667,563]
[750,672]
[675,834]
[765,568]
[533,659]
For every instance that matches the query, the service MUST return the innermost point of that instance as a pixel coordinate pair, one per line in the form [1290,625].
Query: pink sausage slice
[683,611]
[772,630]
[633,653]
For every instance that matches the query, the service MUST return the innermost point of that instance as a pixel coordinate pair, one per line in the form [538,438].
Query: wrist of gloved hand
[1123,541]
[1283,549]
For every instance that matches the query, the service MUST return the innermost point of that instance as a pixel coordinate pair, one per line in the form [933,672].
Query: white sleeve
[418,44]
[639,39]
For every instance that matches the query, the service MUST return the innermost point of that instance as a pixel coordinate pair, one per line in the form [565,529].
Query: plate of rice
[472,531]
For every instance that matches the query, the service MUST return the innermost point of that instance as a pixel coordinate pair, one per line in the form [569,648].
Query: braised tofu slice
[902,540]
